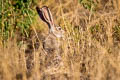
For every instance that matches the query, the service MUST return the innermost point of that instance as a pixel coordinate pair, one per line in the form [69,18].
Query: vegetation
[90,48]
[16,16]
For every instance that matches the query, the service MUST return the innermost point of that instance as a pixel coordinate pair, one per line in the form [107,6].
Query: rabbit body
[52,46]
[52,43]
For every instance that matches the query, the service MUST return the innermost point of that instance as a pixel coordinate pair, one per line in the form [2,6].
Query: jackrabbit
[51,43]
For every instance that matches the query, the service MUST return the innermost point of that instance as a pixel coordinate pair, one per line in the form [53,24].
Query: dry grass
[90,49]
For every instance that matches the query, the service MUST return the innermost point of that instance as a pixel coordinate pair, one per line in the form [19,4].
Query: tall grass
[90,48]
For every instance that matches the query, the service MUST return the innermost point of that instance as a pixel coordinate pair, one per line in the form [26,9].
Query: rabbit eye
[59,28]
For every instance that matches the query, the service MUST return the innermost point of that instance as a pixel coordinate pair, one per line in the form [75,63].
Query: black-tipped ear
[39,11]
[45,14]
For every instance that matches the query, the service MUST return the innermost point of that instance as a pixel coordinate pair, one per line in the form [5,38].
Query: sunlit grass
[90,47]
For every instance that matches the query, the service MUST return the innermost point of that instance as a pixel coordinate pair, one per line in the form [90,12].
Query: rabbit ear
[40,13]
[45,14]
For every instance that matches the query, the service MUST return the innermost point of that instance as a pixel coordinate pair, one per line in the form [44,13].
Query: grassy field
[90,49]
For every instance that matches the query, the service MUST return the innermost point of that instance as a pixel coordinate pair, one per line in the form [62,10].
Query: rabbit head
[46,16]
